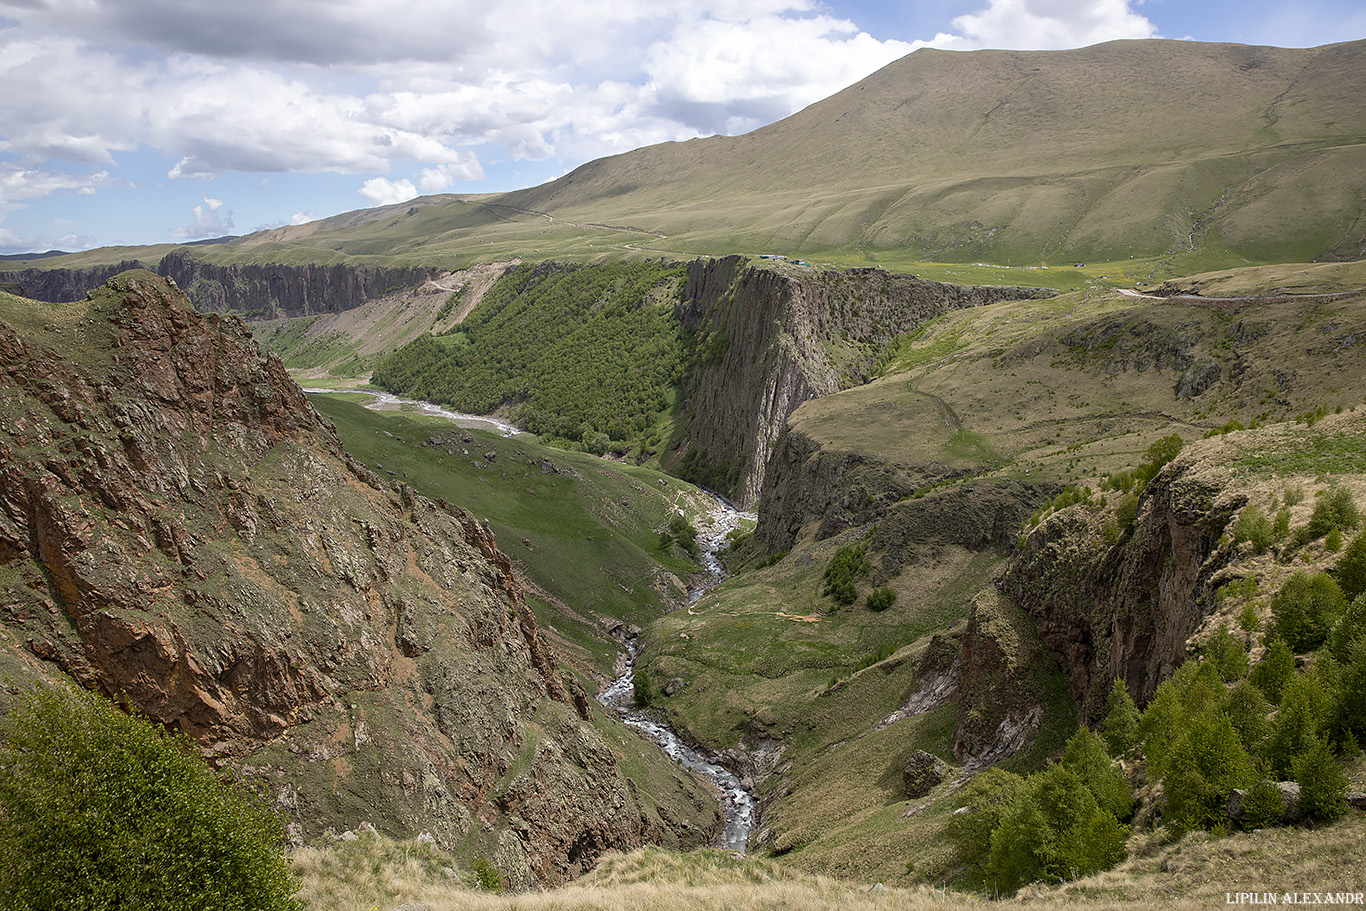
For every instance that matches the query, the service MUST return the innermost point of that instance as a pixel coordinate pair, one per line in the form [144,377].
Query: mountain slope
[179,529]
[1129,149]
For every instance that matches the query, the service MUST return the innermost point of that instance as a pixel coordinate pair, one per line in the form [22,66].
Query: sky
[154,121]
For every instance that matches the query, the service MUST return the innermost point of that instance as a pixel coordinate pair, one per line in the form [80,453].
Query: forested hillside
[585,354]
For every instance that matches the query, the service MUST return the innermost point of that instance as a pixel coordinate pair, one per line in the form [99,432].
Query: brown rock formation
[180,530]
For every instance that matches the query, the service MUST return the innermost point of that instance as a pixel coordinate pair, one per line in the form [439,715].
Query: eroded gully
[737,802]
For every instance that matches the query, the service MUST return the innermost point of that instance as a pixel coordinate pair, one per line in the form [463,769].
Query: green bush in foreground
[102,811]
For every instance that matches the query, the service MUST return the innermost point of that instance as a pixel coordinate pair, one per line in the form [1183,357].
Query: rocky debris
[179,527]
[922,773]
[1357,799]
[674,686]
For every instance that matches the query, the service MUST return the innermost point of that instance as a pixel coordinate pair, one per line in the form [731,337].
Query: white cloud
[384,192]
[1045,25]
[303,218]
[207,222]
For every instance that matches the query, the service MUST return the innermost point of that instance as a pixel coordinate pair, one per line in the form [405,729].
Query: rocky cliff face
[773,336]
[179,529]
[268,291]
[265,291]
[1125,605]
[55,285]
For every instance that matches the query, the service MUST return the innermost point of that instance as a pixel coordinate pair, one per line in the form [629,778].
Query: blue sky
[147,121]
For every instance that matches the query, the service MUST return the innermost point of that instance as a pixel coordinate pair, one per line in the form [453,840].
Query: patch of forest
[585,354]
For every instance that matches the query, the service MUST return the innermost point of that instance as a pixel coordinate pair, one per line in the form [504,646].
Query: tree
[1350,571]
[1205,764]
[104,811]
[1053,829]
[1323,787]
[1305,609]
[1304,712]
[1086,756]
[882,598]
[1120,726]
[1273,670]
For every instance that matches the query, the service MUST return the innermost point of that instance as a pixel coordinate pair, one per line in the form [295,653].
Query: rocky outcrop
[772,336]
[258,290]
[181,531]
[1111,605]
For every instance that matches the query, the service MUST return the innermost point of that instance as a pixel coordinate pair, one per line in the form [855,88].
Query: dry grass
[375,874]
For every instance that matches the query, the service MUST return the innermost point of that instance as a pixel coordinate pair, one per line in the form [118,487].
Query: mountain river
[737,803]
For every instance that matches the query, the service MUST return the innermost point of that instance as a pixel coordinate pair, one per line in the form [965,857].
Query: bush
[1253,527]
[985,800]
[1248,711]
[1086,756]
[1305,609]
[1348,635]
[1333,508]
[486,876]
[1205,764]
[1303,713]
[849,562]
[1228,655]
[102,810]
[881,599]
[1263,805]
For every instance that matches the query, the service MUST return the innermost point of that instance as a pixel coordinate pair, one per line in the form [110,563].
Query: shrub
[849,562]
[1348,723]
[1304,711]
[1248,709]
[1348,635]
[1120,726]
[985,800]
[1333,508]
[1086,756]
[1253,527]
[102,810]
[1305,609]
[486,876]
[1262,806]
[881,599]
[1228,655]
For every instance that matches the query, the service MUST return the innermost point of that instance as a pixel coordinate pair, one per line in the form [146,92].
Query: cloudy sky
[146,121]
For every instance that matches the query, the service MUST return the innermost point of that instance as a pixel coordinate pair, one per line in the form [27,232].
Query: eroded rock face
[180,530]
[776,337]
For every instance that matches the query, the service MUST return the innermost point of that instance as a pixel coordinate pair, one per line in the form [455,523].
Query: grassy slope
[1194,872]
[593,558]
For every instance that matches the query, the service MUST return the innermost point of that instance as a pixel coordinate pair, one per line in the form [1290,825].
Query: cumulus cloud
[384,192]
[207,222]
[1045,25]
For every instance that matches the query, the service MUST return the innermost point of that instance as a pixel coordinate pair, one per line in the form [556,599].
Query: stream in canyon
[737,802]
